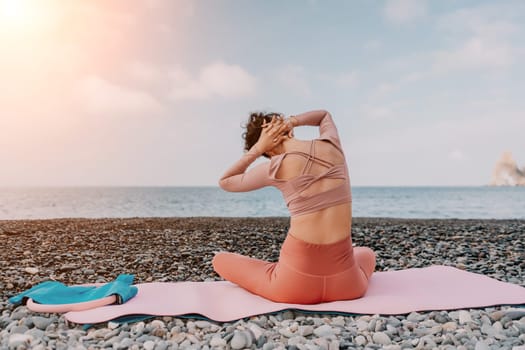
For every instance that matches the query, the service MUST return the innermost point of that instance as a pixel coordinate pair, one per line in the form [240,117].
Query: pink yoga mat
[389,293]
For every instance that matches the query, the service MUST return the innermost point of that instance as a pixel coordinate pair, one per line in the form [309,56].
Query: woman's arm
[321,118]
[235,179]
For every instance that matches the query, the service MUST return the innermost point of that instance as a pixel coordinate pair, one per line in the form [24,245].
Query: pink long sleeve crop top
[237,179]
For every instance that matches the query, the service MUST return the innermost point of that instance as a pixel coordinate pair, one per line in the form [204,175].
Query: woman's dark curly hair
[254,128]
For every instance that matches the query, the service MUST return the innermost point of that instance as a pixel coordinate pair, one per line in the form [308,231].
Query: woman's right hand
[287,124]
[273,133]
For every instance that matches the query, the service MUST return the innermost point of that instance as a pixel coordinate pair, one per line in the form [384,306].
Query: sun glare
[14,12]
[23,16]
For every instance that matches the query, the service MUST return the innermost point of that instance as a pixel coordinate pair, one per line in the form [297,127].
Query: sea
[482,202]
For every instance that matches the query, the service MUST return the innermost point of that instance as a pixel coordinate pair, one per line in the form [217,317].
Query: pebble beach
[75,251]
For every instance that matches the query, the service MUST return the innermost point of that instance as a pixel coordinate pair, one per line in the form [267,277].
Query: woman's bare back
[327,225]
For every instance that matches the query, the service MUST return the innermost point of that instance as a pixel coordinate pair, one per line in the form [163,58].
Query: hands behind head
[274,133]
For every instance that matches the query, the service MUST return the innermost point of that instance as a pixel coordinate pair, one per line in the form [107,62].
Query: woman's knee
[237,267]
[366,258]
[220,260]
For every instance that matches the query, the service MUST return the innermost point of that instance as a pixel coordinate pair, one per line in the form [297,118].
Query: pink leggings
[306,273]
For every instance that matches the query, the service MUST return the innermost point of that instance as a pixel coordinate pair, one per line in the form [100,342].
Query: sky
[155,92]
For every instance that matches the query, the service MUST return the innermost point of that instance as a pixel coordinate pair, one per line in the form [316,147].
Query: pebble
[138,328]
[305,330]
[261,341]
[238,341]
[36,333]
[288,315]
[361,325]
[441,318]
[338,321]
[415,317]
[185,344]
[217,341]
[178,338]
[334,345]
[125,344]
[113,325]
[18,329]
[16,340]
[381,338]
[497,315]
[322,342]
[480,345]
[360,340]
[193,339]
[18,315]
[296,340]
[324,331]
[149,345]
[31,270]
[286,332]
[449,326]
[157,324]
[427,342]
[159,332]
[256,330]
[202,324]
[268,346]
[41,322]
[164,345]
[479,329]
[464,317]
[514,314]
[487,329]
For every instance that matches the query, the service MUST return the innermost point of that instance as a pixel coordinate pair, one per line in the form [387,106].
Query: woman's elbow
[225,185]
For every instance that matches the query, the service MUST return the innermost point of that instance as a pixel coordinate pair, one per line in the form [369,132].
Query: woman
[317,262]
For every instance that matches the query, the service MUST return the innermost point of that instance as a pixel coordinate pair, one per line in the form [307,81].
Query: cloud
[184,8]
[170,16]
[482,38]
[400,72]
[456,155]
[101,97]
[462,135]
[495,20]
[293,77]
[372,45]
[376,112]
[421,152]
[385,88]
[143,72]
[350,79]
[214,80]
[476,53]
[403,11]
[343,79]
[486,35]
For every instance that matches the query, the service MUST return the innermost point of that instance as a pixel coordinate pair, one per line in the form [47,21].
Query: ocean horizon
[425,202]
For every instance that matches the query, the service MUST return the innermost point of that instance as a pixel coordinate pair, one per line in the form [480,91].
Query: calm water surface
[401,202]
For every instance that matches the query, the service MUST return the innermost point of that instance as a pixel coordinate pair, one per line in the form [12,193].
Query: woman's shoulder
[333,141]
[275,162]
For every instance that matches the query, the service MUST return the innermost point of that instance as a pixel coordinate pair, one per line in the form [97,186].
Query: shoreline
[355,220]
[84,250]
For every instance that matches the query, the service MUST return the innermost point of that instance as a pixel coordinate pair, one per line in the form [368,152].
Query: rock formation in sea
[507,173]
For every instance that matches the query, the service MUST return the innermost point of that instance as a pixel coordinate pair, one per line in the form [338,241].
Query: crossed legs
[280,282]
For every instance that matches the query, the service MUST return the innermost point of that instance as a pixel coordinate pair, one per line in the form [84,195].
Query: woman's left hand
[272,134]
